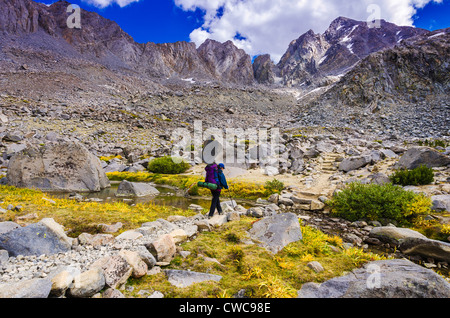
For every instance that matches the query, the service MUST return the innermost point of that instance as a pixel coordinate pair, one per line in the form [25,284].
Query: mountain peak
[226,60]
[103,41]
[344,20]
[314,57]
[61,3]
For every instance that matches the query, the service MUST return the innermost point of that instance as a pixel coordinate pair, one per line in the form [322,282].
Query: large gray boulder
[418,156]
[181,279]
[115,269]
[441,202]
[135,189]
[378,178]
[88,283]
[382,279]
[34,288]
[426,248]
[45,237]
[62,279]
[394,235]
[65,166]
[276,231]
[353,163]
[8,226]
[163,248]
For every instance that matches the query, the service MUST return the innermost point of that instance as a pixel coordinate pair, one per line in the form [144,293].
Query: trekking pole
[186,194]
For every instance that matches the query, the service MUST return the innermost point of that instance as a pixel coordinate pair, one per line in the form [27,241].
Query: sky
[257,26]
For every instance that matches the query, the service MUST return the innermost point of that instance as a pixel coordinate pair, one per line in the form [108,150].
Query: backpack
[212,174]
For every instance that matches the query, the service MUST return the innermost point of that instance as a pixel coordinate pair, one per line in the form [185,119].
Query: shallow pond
[168,196]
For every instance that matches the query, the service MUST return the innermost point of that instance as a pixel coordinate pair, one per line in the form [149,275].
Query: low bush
[274,186]
[140,176]
[376,202]
[419,176]
[433,143]
[167,165]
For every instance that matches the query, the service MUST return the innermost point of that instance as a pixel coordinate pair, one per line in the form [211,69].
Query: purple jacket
[212,174]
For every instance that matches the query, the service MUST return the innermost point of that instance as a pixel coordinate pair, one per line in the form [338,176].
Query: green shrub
[433,143]
[376,202]
[274,186]
[418,176]
[166,165]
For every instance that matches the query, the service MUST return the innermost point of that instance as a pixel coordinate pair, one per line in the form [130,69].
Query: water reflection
[168,196]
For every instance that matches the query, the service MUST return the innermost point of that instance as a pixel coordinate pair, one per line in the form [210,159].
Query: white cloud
[105,3]
[268,26]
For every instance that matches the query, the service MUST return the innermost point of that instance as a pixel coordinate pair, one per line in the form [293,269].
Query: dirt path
[317,183]
[314,184]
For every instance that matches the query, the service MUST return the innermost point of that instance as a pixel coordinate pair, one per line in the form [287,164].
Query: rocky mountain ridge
[324,58]
[311,59]
[99,40]
[404,88]
[99,72]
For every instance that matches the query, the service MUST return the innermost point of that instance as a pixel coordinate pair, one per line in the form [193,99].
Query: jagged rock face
[365,40]
[226,61]
[183,58]
[303,58]
[103,41]
[401,89]
[416,69]
[313,57]
[19,16]
[263,69]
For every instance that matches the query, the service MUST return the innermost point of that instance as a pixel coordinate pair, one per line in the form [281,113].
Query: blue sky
[433,16]
[158,21]
[258,26]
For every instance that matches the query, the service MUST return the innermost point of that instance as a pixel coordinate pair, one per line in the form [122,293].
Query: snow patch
[311,92]
[323,59]
[190,80]
[349,47]
[436,35]
[347,37]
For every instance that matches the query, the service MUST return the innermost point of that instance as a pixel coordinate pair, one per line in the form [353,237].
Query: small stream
[169,196]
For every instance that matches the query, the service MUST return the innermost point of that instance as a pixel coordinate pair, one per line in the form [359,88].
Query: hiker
[214,174]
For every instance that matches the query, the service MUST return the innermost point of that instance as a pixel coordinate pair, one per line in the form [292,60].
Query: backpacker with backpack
[212,178]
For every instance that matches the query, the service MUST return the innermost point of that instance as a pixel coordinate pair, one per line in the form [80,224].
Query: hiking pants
[215,203]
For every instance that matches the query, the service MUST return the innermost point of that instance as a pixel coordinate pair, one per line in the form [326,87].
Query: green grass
[250,267]
[243,266]
[237,189]
[433,143]
[79,217]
